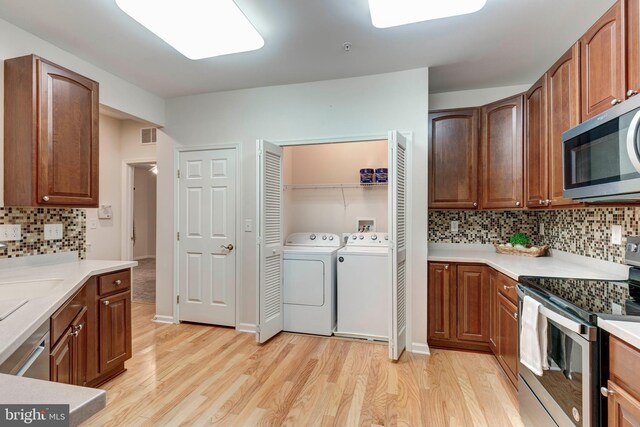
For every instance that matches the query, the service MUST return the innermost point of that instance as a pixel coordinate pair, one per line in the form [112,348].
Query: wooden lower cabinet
[493,308]
[623,409]
[91,347]
[623,398]
[458,316]
[507,337]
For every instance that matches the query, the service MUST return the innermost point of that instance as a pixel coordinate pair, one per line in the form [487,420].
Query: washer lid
[364,250]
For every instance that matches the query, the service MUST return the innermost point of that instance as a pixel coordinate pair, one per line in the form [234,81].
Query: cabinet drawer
[623,366]
[507,287]
[62,318]
[114,282]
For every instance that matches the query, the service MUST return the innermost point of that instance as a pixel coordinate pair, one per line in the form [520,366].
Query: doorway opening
[143,232]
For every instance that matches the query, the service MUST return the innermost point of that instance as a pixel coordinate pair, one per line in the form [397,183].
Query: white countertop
[559,264]
[625,330]
[17,327]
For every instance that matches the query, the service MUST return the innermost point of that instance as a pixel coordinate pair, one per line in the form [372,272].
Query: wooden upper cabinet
[564,113]
[603,63]
[453,154]
[440,300]
[51,135]
[632,46]
[501,154]
[473,303]
[535,151]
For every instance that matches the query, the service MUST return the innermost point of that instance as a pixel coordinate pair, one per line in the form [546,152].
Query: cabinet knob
[515,315]
[45,198]
[517,203]
[78,327]
[475,204]
[446,267]
[548,202]
[117,282]
[632,92]
[606,392]
[541,202]
[74,333]
[105,302]
[615,101]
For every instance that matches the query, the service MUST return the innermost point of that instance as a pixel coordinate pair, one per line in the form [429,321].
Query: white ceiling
[508,42]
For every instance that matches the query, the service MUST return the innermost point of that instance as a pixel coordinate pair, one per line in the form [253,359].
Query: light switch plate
[248,225]
[616,234]
[454,226]
[53,232]
[541,232]
[10,232]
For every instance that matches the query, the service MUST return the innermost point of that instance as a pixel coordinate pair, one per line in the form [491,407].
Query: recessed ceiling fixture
[391,13]
[196,28]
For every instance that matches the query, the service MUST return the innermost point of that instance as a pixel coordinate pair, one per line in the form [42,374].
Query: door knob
[45,199]
[229,247]
[632,92]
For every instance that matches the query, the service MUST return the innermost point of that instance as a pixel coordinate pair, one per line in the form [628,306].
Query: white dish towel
[533,337]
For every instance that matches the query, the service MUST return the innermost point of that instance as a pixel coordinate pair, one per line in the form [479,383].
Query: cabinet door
[453,154]
[602,63]
[623,409]
[115,330]
[493,309]
[535,152]
[473,303]
[68,140]
[564,114]
[507,345]
[61,363]
[80,347]
[439,296]
[632,46]
[501,154]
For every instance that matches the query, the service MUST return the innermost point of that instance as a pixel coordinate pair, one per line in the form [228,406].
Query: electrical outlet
[616,234]
[10,232]
[454,226]
[53,232]
[541,232]
[616,309]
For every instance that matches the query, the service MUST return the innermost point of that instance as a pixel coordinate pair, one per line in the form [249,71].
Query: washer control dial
[312,237]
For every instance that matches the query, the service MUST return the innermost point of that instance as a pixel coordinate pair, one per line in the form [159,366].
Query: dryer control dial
[330,237]
[354,237]
[312,237]
[386,237]
[324,237]
[374,237]
[361,237]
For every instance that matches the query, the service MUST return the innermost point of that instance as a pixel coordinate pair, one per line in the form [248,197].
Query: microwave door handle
[632,149]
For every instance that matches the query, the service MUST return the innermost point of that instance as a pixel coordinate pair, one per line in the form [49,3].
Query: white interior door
[270,241]
[207,239]
[397,244]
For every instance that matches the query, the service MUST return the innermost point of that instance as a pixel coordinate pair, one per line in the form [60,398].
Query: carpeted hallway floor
[144,281]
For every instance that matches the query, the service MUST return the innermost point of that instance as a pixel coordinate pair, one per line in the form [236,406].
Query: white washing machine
[310,283]
[363,291]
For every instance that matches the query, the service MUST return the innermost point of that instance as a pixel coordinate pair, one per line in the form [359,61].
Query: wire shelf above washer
[332,186]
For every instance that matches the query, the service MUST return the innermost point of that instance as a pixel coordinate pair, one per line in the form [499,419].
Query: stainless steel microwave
[601,157]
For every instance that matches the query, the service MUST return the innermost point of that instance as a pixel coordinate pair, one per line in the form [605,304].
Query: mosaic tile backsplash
[579,231]
[32,221]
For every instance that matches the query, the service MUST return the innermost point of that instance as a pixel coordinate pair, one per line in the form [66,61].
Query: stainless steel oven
[565,394]
[601,157]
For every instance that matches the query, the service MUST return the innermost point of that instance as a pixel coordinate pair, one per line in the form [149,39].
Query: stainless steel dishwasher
[31,359]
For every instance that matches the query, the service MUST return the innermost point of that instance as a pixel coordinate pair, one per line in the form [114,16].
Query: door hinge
[177,299]
[178,173]
[258,328]
[178,235]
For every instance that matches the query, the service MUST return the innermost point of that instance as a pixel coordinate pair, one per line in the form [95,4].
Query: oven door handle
[632,146]
[561,320]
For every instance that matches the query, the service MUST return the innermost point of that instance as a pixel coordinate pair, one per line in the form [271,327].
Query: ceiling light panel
[196,28]
[392,13]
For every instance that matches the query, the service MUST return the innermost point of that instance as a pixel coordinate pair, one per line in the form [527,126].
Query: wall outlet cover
[541,231]
[10,232]
[53,231]
[454,226]
[616,234]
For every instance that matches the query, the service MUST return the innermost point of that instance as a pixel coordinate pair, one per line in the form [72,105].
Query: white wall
[119,143]
[474,97]
[144,213]
[370,105]
[324,209]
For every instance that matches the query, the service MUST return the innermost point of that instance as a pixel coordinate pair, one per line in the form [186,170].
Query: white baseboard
[246,327]
[163,319]
[139,258]
[420,348]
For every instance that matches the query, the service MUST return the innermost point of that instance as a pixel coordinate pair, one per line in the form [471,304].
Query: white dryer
[363,279]
[310,283]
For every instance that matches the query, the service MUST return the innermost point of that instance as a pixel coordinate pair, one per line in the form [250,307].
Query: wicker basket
[535,251]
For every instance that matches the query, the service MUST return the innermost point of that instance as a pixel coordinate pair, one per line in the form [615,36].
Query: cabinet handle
[606,392]
[105,302]
[517,203]
[615,101]
[45,199]
[632,92]
[506,287]
[475,204]
[548,202]
[117,282]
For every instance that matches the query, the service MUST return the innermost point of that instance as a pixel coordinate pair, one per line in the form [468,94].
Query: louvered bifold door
[270,241]
[397,244]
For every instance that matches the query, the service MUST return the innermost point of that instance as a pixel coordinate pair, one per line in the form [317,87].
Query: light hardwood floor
[200,375]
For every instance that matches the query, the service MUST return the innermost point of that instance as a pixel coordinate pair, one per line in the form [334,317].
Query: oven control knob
[312,237]
[632,247]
